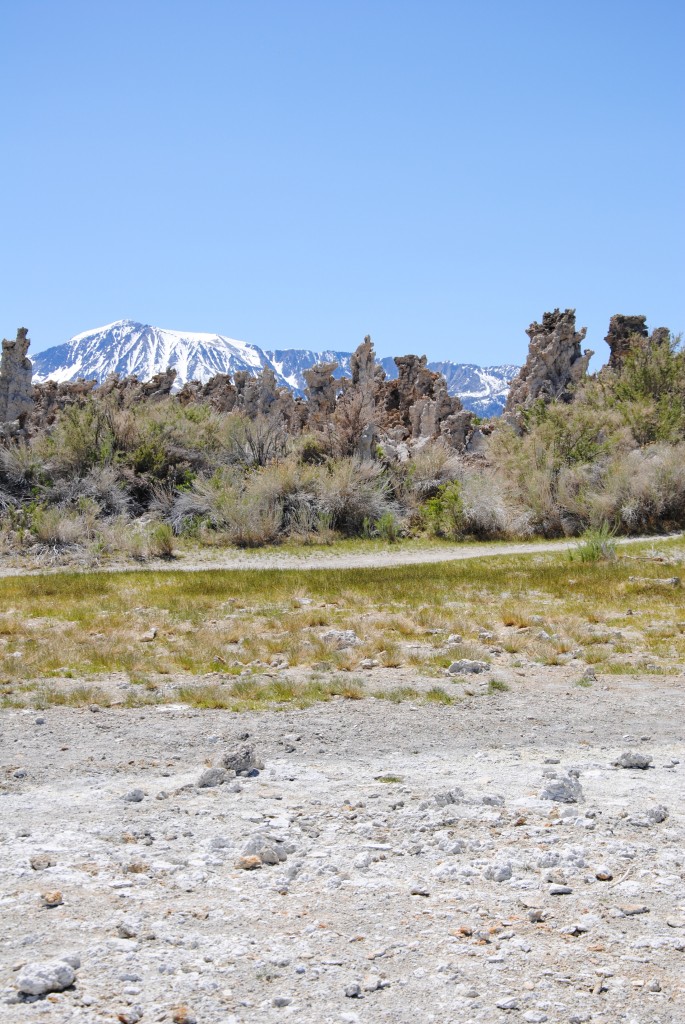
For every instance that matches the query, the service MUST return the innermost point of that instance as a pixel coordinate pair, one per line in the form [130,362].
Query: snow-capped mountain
[126,347]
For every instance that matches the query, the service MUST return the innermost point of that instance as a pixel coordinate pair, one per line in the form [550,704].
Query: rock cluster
[555,362]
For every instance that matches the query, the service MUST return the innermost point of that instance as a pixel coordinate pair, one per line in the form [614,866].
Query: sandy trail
[273,559]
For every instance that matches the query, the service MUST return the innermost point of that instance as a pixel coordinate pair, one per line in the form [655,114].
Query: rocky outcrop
[555,362]
[627,332]
[15,378]
[417,405]
[622,335]
[321,394]
[51,398]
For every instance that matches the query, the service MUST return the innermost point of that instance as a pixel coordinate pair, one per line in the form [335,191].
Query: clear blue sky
[298,173]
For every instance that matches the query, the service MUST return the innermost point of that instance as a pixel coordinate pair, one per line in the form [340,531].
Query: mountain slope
[127,347]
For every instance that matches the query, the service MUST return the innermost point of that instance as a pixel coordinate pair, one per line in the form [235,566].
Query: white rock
[39,979]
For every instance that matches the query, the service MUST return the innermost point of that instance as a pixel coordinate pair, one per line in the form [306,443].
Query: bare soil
[395,821]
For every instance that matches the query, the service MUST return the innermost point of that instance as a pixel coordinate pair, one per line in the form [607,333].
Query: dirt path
[274,559]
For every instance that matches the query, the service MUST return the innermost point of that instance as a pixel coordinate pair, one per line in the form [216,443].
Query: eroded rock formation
[555,362]
[15,378]
[625,332]
[321,394]
[417,405]
[621,336]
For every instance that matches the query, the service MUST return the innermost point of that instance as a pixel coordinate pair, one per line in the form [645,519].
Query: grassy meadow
[255,637]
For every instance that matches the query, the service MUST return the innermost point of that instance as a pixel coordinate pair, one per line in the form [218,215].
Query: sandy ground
[417,867]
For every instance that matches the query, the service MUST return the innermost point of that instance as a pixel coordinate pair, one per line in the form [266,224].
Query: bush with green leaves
[443,515]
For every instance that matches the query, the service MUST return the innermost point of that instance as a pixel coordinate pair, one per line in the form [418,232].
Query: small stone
[243,760]
[632,759]
[146,638]
[40,720]
[39,979]
[183,1015]
[675,922]
[652,816]
[566,790]
[466,667]
[353,991]
[560,890]
[419,889]
[535,1017]
[52,899]
[368,663]
[536,916]
[42,861]
[341,638]
[654,985]
[134,796]
[280,1001]
[498,872]
[211,778]
[251,863]
[373,983]
[633,909]
[603,875]
[507,1004]
[20,773]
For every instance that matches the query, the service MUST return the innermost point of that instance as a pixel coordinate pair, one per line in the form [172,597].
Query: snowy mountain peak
[127,347]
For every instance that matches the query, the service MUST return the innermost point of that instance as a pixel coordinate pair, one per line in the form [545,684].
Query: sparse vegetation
[252,638]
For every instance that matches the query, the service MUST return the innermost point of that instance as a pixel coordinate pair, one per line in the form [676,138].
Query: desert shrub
[652,495]
[101,485]
[443,515]
[312,450]
[485,509]
[388,527]
[161,540]
[254,442]
[56,526]
[21,465]
[649,391]
[422,476]
[82,438]
[351,491]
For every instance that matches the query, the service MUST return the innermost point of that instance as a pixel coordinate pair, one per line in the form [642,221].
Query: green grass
[497,686]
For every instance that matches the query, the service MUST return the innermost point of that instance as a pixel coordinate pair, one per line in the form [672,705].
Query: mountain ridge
[127,347]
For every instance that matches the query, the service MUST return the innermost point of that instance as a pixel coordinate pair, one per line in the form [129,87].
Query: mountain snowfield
[126,347]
